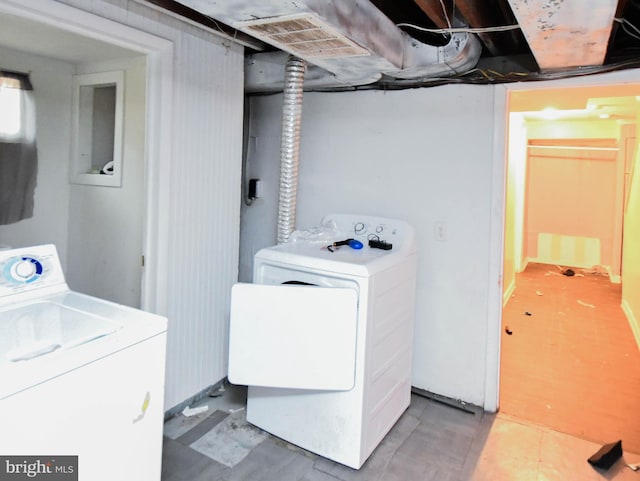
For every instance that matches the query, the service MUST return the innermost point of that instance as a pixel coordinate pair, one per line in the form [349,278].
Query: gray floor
[431,441]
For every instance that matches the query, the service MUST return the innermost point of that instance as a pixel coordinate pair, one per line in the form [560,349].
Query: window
[17,114]
[18,151]
[10,112]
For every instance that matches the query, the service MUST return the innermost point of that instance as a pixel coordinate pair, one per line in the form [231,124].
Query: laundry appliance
[323,336]
[82,379]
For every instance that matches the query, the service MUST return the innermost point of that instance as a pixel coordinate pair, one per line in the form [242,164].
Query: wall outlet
[440,231]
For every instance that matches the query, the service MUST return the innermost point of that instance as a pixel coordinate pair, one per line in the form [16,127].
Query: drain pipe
[290,147]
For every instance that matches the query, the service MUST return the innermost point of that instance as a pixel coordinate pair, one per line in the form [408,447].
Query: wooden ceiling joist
[566,33]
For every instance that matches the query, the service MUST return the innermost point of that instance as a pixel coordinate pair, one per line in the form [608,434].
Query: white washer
[328,359]
[80,376]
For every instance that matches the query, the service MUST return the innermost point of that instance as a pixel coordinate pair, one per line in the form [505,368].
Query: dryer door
[293,336]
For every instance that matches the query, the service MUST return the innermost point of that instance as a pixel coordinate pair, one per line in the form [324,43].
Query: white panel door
[293,336]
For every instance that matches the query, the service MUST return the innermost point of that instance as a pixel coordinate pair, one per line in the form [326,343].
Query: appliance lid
[364,262]
[43,338]
[38,328]
[308,248]
[346,254]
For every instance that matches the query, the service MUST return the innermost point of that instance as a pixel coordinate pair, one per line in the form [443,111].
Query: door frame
[158,141]
[498,208]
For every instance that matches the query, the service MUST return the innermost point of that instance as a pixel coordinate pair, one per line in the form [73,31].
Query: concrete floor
[431,441]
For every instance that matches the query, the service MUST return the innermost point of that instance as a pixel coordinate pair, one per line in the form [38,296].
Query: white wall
[101,217]
[205,212]
[51,81]
[423,155]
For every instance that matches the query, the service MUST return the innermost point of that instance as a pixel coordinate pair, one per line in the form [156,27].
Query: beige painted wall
[631,252]
[574,215]
[514,203]
[570,208]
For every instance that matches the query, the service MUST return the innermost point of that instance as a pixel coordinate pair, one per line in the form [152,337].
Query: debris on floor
[188,412]
[597,271]
[527,313]
[230,441]
[585,304]
[634,467]
[606,456]
[508,331]
[217,392]
[568,272]
[539,293]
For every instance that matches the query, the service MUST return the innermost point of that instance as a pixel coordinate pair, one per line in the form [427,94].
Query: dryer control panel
[29,268]
[382,231]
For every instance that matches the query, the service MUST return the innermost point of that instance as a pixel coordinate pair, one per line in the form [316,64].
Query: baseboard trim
[633,321]
[508,292]
[196,397]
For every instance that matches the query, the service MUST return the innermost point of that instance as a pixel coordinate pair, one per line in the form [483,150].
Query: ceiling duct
[350,42]
[305,36]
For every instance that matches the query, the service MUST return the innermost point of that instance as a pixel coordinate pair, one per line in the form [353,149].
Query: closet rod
[572,147]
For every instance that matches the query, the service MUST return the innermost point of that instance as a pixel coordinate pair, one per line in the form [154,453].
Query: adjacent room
[567,326]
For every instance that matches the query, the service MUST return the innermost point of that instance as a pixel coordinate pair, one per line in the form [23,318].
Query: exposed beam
[479,16]
[622,5]
[566,33]
[433,9]
[620,11]
[514,39]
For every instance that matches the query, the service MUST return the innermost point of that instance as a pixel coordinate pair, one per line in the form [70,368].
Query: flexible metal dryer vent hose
[290,147]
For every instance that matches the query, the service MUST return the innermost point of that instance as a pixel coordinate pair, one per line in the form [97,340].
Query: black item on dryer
[380,244]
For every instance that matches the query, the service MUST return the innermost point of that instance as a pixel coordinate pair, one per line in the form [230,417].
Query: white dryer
[323,337]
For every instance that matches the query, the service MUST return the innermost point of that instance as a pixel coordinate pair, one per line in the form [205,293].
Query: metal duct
[290,146]
[263,73]
[352,40]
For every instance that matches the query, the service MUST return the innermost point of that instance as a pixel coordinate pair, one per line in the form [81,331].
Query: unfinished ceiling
[517,39]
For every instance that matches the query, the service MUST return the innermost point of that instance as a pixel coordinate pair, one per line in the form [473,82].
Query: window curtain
[18,152]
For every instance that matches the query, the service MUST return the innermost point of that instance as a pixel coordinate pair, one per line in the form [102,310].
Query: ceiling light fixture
[550,113]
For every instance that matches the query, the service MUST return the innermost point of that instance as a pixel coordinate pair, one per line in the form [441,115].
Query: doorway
[569,359]
[98,41]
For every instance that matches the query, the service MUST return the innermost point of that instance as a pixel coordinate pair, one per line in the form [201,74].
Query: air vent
[304,35]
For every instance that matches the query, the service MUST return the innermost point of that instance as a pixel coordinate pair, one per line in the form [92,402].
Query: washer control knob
[25,269]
